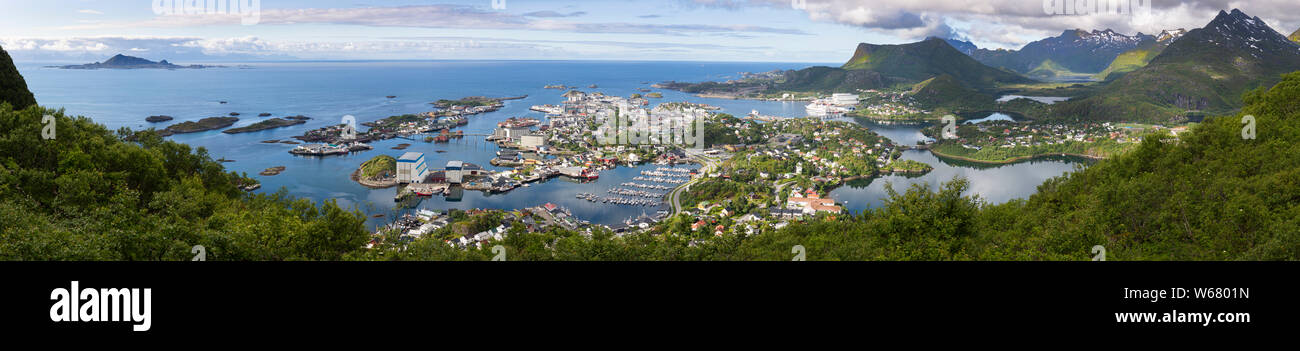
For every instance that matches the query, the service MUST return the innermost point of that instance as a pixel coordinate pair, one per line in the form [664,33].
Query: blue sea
[327,91]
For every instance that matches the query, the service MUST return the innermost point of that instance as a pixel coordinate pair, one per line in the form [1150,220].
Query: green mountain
[1131,61]
[830,79]
[1206,70]
[872,67]
[1140,56]
[1073,51]
[1295,36]
[13,89]
[1052,71]
[926,59]
[946,91]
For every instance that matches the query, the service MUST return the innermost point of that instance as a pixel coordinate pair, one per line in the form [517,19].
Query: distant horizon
[548,30]
[215,61]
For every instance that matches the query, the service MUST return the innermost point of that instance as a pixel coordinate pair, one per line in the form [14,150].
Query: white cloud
[435,16]
[1012,23]
[90,12]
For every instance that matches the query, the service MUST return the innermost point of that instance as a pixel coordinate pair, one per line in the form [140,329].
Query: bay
[327,91]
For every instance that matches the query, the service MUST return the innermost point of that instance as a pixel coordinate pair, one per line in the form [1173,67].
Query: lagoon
[992,183]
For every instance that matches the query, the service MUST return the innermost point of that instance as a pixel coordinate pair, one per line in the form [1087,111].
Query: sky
[687,30]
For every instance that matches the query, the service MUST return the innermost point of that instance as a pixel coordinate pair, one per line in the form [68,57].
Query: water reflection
[996,116]
[995,183]
[1043,99]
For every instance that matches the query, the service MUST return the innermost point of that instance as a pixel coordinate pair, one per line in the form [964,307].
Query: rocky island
[265,125]
[474,101]
[157,119]
[273,171]
[377,173]
[203,125]
[130,62]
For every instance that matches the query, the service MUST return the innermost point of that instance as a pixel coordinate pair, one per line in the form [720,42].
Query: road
[675,198]
[780,186]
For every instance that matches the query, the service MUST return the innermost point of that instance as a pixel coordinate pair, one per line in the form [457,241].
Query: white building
[411,168]
[517,133]
[844,99]
[532,141]
[455,171]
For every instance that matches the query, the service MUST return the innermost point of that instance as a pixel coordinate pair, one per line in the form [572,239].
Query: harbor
[329,149]
[325,178]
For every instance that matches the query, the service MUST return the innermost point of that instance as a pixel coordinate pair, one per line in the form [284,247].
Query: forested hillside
[89,195]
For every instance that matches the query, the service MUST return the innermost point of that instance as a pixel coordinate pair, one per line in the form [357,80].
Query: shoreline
[1014,159]
[356,177]
[897,120]
[734,97]
[882,173]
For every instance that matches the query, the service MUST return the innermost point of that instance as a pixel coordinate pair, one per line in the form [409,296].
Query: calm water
[1043,99]
[328,91]
[996,116]
[993,183]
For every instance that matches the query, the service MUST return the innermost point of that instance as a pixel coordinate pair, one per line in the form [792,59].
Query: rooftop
[411,157]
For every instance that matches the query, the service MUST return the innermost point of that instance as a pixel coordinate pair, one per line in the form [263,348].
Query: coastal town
[711,174]
[785,167]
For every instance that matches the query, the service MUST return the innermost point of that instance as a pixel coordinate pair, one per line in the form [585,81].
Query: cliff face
[13,89]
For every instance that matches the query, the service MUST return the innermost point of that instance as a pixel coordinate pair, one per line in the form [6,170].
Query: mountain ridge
[872,66]
[13,88]
[1140,56]
[1076,50]
[1206,71]
[927,59]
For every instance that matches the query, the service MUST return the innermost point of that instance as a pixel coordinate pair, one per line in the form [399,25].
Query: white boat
[818,108]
